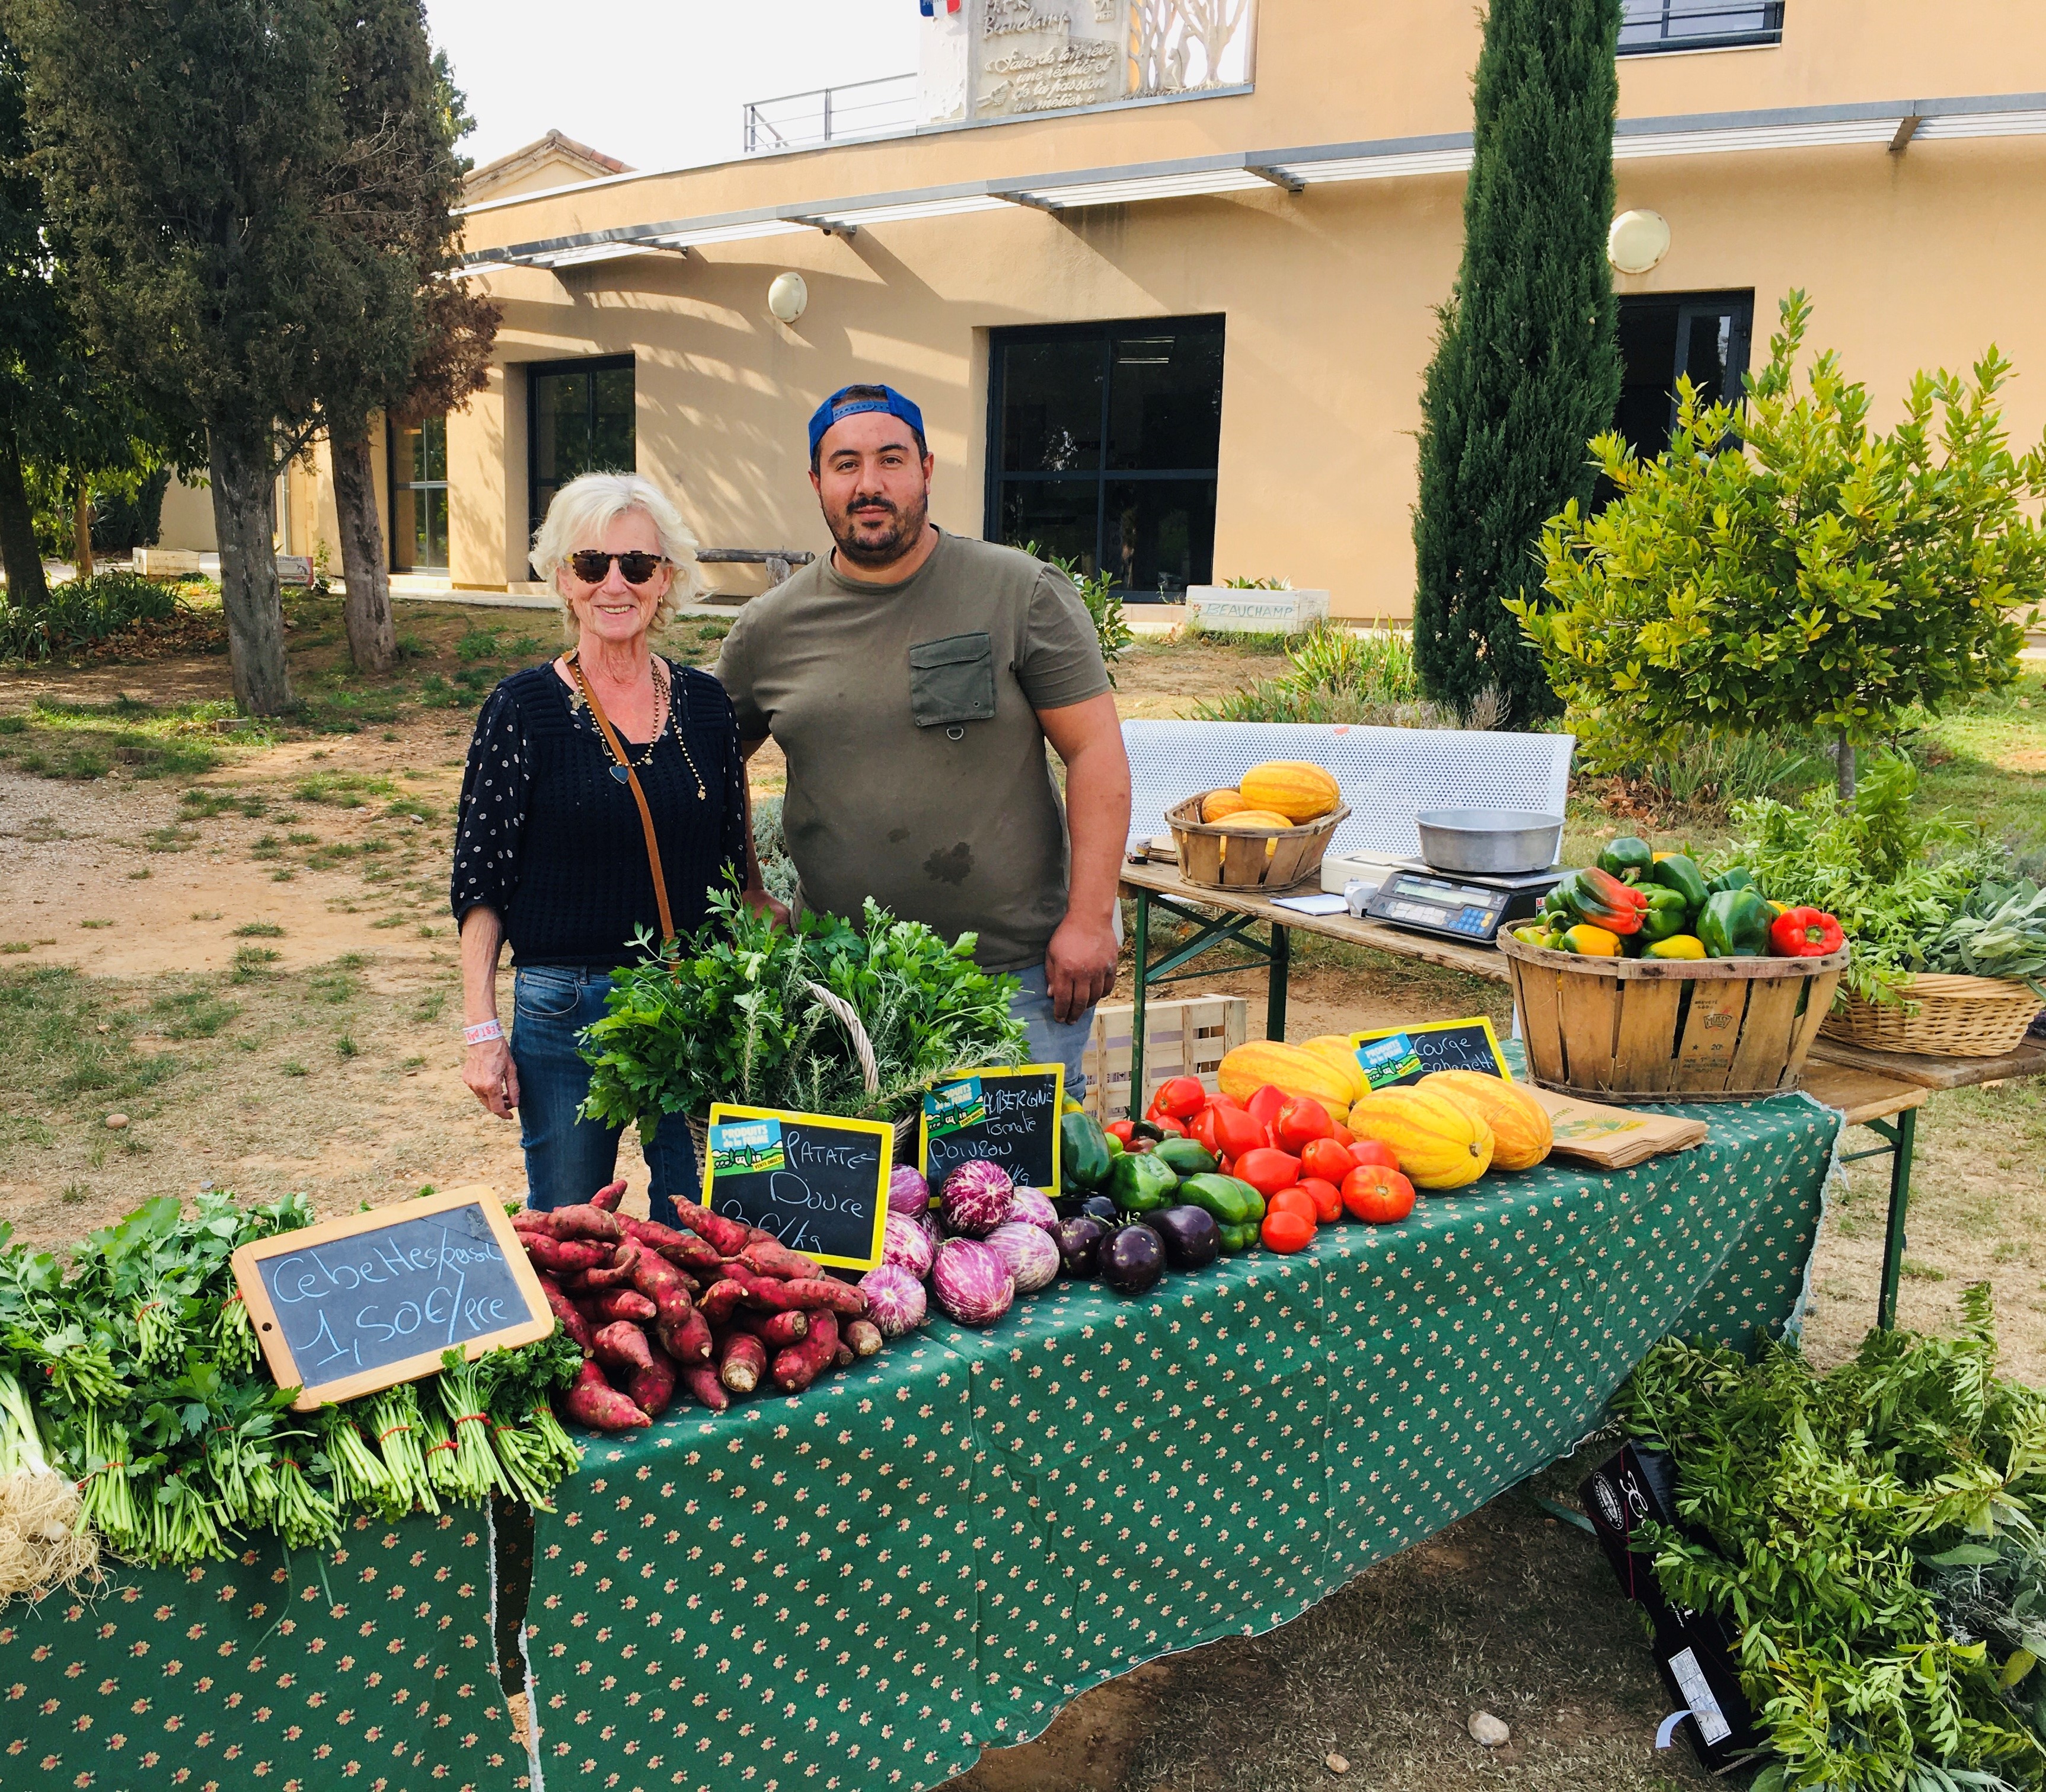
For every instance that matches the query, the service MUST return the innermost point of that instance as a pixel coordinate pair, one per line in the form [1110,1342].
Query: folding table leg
[1905,1138]
[1140,947]
[1275,990]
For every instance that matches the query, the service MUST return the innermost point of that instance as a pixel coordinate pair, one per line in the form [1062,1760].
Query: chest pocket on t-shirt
[952,680]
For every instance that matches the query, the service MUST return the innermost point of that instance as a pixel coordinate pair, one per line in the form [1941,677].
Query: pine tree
[1526,367]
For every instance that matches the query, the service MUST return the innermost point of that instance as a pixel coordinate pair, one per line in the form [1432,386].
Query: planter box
[1265,612]
[167,563]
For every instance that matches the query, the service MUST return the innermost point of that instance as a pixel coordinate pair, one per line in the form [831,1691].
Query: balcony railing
[1648,26]
[803,121]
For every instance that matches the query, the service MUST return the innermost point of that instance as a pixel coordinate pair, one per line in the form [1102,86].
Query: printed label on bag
[1705,1711]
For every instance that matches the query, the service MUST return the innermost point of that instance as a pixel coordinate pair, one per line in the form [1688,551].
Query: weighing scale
[1457,904]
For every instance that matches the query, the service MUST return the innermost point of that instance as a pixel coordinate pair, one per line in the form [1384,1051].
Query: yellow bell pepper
[1592,942]
[1678,945]
[1660,856]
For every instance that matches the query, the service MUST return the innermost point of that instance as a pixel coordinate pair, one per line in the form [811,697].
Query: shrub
[82,612]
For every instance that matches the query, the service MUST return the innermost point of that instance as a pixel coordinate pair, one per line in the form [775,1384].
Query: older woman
[580,772]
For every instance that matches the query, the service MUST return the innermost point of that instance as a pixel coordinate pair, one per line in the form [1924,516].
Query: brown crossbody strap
[638,796]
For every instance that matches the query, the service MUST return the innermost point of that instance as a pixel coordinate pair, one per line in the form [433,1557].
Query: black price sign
[819,1183]
[1435,1046]
[1008,1117]
[352,1305]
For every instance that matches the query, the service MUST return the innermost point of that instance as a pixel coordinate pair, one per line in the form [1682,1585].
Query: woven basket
[906,1128]
[1668,1029]
[1225,858]
[1941,1014]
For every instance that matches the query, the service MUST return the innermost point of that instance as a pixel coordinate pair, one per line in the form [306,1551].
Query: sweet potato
[618,1272]
[592,1400]
[625,1303]
[652,1388]
[701,1380]
[778,1330]
[608,1197]
[863,1335]
[719,1298]
[563,1257]
[797,1367]
[741,1361]
[687,1341]
[843,1359]
[660,1282]
[684,1248]
[567,1313]
[583,1222]
[839,1297]
[624,1345]
[727,1237]
[768,1257]
[757,1290]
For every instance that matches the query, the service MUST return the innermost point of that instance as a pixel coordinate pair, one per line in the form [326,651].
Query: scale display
[1456,907]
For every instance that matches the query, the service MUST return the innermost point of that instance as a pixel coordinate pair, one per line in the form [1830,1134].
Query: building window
[1649,26]
[418,496]
[1665,336]
[1103,442]
[578,419]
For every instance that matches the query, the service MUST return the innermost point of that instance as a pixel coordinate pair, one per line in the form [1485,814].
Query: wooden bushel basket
[1671,1029]
[1225,858]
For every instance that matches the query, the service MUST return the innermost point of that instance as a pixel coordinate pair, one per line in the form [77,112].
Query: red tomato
[1370,1151]
[1295,1199]
[1373,1193]
[1268,1171]
[1344,1136]
[1285,1231]
[1327,1197]
[1182,1097]
[1202,1127]
[1219,1099]
[1170,1127]
[1327,1159]
[1301,1120]
[1263,1107]
[1237,1132]
[1120,1129]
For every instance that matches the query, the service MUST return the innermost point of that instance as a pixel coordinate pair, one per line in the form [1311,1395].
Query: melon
[1293,788]
[1217,804]
[1248,818]
[1441,1143]
[1337,1049]
[1521,1131]
[1292,1068]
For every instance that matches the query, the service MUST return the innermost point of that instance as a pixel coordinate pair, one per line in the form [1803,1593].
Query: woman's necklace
[626,765]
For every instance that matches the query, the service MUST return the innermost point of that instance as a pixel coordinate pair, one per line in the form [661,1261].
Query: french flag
[929,7]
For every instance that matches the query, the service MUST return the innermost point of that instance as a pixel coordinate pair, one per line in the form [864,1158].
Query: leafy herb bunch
[1824,1499]
[731,1015]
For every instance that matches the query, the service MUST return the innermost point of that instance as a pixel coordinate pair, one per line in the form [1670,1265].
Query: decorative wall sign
[819,1183]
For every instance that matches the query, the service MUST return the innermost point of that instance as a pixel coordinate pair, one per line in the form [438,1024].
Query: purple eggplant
[1193,1240]
[1078,1240]
[1132,1259]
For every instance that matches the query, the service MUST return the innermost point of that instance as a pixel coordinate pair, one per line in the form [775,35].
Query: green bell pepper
[1734,877]
[1736,924]
[1140,1181]
[1680,874]
[1629,857]
[1230,1199]
[1236,1238]
[1188,1157]
[1665,915]
[1083,1153]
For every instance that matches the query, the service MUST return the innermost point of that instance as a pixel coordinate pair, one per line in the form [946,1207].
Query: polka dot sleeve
[495,786]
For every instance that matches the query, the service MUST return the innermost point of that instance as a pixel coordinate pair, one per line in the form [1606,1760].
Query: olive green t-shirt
[917,774]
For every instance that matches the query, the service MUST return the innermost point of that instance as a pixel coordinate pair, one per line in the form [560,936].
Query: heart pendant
[623,773]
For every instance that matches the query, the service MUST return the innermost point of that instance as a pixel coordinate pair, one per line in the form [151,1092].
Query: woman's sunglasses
[592,565]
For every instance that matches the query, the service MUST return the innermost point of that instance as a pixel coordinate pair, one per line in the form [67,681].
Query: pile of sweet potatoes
[719,1307]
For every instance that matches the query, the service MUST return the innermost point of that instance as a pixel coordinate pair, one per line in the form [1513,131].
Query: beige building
[1163,278]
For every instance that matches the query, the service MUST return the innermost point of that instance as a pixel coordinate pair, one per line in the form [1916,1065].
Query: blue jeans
[1051,1042]
[568,1159]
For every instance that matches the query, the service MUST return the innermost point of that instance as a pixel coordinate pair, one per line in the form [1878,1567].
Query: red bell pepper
[1806,934]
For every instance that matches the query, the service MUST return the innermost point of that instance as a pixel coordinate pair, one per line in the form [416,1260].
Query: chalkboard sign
[1008,1116]
[352,1305]
[818,1182]
[1433,1045]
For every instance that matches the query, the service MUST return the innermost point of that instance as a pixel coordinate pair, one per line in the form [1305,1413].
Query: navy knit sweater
[552,841]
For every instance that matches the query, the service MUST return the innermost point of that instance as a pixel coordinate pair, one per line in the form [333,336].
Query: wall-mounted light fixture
[788,296]
[1637,240]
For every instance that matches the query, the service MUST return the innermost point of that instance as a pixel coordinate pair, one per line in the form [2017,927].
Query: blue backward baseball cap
[838,407]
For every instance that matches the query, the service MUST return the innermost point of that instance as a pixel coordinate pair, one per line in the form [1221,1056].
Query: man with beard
[912,679]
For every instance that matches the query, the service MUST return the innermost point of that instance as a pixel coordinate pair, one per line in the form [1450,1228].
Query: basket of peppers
[1640,976]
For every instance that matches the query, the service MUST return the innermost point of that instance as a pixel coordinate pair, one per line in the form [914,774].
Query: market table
[934,1551]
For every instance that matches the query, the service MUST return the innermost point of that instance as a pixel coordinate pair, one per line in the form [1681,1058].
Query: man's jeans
[1050,1043]
[567,1159]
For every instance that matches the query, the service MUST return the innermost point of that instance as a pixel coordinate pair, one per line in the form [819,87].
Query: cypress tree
[1526,367]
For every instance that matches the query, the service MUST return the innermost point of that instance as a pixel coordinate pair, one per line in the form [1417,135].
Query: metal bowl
[1494,841]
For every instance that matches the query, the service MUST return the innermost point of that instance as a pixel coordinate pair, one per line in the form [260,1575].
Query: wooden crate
[1673,1030]
[1181,1038]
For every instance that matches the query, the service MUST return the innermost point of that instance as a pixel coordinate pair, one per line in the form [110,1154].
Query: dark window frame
[538,370]
[1666,13]
[393,431]
[1104,473]
[1738,300]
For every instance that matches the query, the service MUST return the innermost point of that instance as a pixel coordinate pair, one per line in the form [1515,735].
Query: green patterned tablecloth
[371,1667]
[934,1551]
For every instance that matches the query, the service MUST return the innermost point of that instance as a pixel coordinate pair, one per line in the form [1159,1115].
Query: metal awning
[1893,124]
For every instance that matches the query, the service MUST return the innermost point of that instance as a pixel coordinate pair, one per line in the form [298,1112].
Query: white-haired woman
[551,851]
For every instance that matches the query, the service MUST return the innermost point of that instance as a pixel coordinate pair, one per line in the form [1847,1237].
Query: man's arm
[1079,963]
[756,893]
